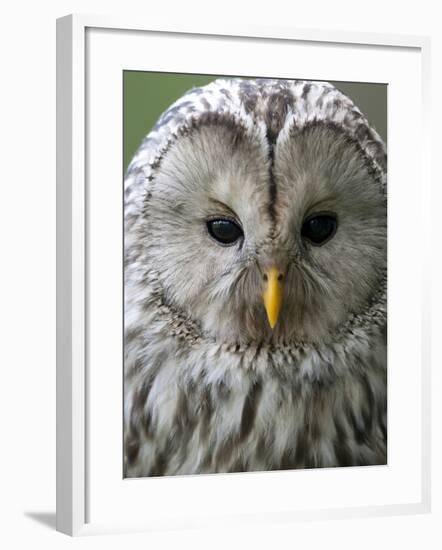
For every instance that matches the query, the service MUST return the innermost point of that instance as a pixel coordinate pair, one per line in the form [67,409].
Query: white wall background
[27,288]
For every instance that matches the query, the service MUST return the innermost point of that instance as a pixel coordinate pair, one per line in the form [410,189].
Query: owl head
[257,211]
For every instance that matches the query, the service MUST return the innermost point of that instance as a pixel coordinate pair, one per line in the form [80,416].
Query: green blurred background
[146,95]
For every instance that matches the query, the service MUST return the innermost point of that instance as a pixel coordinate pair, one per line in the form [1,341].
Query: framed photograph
[242,329]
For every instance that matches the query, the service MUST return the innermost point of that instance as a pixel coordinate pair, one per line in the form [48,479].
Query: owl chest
[238,421]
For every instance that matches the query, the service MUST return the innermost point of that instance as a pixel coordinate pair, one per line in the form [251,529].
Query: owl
[255,284]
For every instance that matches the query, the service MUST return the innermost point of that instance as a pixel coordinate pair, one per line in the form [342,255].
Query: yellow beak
[272,294]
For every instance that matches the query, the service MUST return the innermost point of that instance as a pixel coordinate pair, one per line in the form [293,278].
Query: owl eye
[224,231]
[319,228]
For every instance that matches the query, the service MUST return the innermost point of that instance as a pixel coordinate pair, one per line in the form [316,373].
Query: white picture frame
[91,498]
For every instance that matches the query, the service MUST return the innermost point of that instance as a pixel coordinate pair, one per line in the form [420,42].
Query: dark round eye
[224,231]
[319,228]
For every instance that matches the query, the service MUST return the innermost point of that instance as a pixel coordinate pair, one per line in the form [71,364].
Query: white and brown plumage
[267,351]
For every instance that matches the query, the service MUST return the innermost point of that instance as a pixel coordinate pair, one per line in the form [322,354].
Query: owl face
[261,229]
